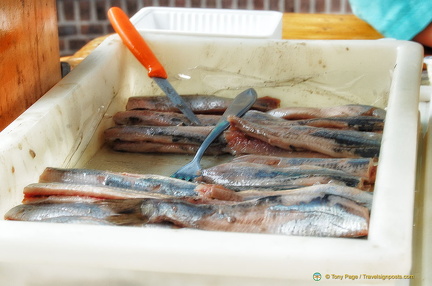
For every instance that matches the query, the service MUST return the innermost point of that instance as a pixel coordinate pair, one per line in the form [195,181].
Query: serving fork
[241,103]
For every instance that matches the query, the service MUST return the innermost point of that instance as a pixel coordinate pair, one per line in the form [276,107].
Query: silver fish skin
[298,195]
[90,183]
[158,134]
[41,212]
[359,123]
[151,147]
[68,190]
[162,139]
[244,176]
[38,192]
[331,142]
[329,219]
[330,216]
[77,220]
[363,167]
[306,213]
[159,118]
[55,199]
[208,104]
[333,111]
[138,182]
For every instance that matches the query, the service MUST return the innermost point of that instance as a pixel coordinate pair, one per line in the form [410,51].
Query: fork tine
[183,176]
[188,172]
[187,178]
[241,103]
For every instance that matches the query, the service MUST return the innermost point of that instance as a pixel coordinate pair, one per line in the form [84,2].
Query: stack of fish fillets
[105,198]
[296,171]
[152,124]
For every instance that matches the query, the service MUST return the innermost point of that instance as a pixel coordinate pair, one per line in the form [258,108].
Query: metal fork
[241,103]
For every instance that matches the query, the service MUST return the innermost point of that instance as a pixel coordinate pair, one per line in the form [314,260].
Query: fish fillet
[244,176]
[334,143]
[112,185]
[326,215]
[315,112]
[238,143]
[360,123]
[363,167]
[159,118]
[209,104]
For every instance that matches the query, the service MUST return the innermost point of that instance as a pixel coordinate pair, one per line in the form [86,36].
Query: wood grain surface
[327,27]
[29,53]
[294,26]
[29,61]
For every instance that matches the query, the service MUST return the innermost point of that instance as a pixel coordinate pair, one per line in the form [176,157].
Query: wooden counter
[294,26]
[29,50]
[326,27]
[30,53]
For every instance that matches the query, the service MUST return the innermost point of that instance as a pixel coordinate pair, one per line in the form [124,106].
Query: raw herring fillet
[162,139]
[363,167]
[334,143]
[308,193]
[158,134]
[315,112]
[245,176]
[150,147]
[112,185]
[360,123]
[159,118]
[41,212]
[238,143]
[209,104]
[321,215]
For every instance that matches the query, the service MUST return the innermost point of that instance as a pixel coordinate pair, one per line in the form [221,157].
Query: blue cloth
[399,19]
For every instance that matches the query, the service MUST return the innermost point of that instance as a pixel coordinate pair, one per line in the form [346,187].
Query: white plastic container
[428,61]
[64,129]
[424,197]
[210,22]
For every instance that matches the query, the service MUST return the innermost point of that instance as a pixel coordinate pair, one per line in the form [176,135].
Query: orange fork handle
[135,43]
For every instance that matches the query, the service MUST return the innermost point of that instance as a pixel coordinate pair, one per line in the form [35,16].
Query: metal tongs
[139,48]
